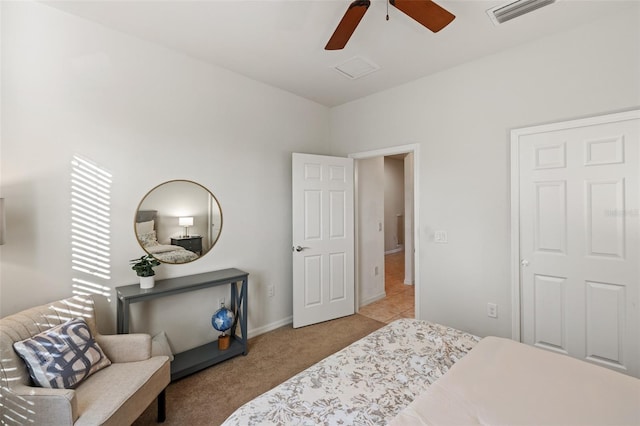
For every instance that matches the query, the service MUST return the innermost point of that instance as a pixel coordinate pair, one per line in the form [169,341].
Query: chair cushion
[62,356]
[118,395]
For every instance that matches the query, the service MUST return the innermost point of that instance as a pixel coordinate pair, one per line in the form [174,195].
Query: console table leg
[243,324]
[123,318]
[119,326]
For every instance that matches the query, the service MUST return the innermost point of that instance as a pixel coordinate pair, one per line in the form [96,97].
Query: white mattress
[502,382]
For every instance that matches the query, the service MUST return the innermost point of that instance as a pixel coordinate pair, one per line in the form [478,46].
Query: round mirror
[178,221]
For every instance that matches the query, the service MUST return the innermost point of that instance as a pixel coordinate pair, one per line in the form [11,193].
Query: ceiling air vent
[502,14]
[356,67]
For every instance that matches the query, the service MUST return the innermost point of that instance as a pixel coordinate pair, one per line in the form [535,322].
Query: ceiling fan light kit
[514,9]
[426,12]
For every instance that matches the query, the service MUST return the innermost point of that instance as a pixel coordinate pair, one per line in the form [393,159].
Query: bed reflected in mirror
[178,221]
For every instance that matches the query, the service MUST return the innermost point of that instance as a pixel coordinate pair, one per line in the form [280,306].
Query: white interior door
[579,241]
[323,238]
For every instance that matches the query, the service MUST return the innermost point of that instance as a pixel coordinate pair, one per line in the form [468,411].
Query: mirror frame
[186,181]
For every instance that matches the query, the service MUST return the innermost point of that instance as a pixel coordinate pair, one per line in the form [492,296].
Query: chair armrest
[42,406]
[125,347]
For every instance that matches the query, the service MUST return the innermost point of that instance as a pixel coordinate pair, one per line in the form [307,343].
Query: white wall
[393,202]
[370,232]
[461,118]
[146,115]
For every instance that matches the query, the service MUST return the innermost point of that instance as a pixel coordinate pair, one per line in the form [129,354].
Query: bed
[366,383]
[146,233]
[502,382]
[412,372]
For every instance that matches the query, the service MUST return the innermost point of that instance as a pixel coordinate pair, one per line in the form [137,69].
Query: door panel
[549,312]
[579,241]
[323,238]
[605,321]
[550,231]
[312,281]
[605,233]
[313,215]
[338,279]
[337,204]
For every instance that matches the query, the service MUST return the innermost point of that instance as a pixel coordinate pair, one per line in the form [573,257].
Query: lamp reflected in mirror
[186,222]
[192,235]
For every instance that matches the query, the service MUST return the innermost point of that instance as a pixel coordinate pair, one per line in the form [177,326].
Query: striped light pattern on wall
[90,227]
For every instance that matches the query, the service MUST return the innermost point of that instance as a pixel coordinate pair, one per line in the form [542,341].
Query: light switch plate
[440,237]
[492,310]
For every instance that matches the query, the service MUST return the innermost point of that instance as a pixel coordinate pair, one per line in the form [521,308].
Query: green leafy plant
[144,265]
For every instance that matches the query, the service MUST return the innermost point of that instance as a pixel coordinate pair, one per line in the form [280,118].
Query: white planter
[147,282]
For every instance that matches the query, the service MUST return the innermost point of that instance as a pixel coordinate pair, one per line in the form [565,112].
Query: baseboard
[395,250]
[372,299]
[269,327]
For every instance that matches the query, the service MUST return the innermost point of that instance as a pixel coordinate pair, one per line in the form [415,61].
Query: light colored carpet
[211,395]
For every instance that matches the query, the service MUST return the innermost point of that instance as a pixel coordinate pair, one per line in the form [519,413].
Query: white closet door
[579,241]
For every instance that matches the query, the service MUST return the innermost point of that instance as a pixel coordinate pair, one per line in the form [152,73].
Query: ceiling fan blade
[425,12]
[348,24]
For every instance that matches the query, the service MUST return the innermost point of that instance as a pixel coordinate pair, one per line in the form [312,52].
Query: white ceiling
[281,42]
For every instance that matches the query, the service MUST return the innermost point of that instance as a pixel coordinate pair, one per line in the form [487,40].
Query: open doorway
[386,288]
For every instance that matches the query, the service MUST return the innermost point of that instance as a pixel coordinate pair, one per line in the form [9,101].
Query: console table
[204,356]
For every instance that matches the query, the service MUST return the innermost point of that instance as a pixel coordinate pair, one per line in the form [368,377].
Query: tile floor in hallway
[399,302]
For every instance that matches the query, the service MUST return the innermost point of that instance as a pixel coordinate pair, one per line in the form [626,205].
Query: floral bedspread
[171,254]
[165,252]
[366,383]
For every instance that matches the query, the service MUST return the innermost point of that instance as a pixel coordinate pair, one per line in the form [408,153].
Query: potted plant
[144,268]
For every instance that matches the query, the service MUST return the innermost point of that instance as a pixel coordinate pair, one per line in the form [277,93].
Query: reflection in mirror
[178,221]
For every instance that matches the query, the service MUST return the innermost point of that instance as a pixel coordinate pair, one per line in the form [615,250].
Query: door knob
[524,262]
[299,248]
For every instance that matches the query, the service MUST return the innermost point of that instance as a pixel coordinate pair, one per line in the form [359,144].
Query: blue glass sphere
[222,320]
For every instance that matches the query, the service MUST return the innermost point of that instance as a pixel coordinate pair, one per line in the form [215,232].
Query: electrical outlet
[492,310]
[376,271]
[271,291]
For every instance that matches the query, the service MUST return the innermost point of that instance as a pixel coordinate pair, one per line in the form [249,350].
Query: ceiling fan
[426,12]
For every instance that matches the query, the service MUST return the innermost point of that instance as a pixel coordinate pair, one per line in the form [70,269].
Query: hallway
[399,302]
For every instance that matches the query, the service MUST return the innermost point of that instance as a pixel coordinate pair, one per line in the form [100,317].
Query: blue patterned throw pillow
[62,356]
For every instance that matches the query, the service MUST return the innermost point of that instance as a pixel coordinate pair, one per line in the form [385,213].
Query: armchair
[114,395]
